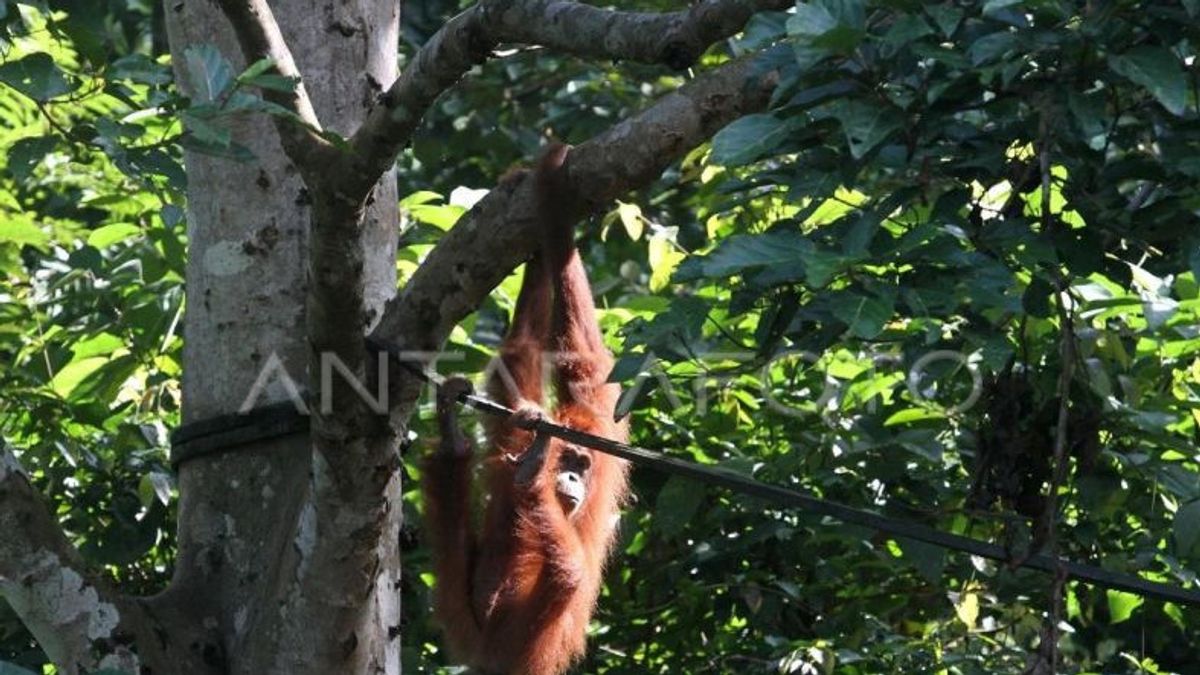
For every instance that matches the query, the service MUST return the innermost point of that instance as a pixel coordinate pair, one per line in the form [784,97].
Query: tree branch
[74,616]
[674,38]
[336,315]
[499,232]
[258,35]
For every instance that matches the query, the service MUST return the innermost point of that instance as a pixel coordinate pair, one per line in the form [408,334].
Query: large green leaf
[1186,527]
[36,76]
[677,503]
[27,153]
[1121,605]
[20,229]
[748,138]
[1157,69]
[866,125]
[865,314]
[210,73]
[740,252]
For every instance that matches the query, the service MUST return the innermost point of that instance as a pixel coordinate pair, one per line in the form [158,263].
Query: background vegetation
[1014,183]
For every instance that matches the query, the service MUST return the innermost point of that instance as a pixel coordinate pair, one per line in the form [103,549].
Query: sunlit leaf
[20,229]
[967,608]
[631,219]
[1122,605]
[112,234]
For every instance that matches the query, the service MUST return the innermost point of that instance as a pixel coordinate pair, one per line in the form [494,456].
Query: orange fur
[516,597]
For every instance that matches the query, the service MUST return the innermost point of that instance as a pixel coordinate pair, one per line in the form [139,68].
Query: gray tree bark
[288,559]
[244,515]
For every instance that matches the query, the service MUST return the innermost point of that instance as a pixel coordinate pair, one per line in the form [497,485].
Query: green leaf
[906,29]
[255,69]
[763,29]
[1091,116]
[823,27]
[441,216]
[1186,527]
[274,82]
[108,235]
[628,366]
[1121,605]
[105,382]
[17,228]
[749,138]
[36,76]
[172,215]
[929,560]
[139,68]
[1158,311]
[27,153]
[101,344]
[946,16]
[209,72]
[673,330]
[677,503]
[820,267]
[1157,69]
[420,197]
[631,219]
[911,415]
[865,125]
[242,101]
[155,484]
[664,257]
[923,443]
[967,608]
[1037,299]
[740,252]
[259,75]
[991,47]
[811,20]
[848,13]
[993,8]
[629,398]
[204,131]
[70,376]
[865,315]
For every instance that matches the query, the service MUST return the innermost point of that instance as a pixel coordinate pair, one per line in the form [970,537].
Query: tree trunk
[287,548]
[243,513]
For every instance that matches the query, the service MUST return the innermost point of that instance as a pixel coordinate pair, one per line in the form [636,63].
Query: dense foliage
[955,217]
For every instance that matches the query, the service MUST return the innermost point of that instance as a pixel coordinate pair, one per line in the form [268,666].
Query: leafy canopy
[870,291]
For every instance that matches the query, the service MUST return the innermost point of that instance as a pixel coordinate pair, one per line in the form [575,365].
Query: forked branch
[673,38]
[498,233]
[258,35]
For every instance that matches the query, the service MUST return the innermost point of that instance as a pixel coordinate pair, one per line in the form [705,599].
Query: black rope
[224,432]
[215,435]
[787,497]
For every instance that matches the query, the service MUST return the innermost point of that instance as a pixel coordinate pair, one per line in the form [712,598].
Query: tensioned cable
[782,496]
[222,433]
